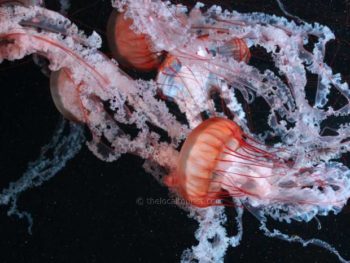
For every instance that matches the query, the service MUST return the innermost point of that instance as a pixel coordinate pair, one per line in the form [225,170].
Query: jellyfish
[218,162]
[189,122]
[129,48]
[218,156]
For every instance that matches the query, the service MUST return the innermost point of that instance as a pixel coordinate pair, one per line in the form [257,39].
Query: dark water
[90,211]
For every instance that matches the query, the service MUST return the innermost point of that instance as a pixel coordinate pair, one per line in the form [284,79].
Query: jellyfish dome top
[129,48]
[202,57]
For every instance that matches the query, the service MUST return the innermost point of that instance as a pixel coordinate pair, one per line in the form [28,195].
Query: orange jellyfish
[131,49]
[216,161]
[236,48]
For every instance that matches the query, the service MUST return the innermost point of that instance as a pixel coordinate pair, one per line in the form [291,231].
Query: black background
[89,213]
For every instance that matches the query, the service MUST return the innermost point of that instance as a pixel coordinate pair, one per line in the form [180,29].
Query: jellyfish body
[65,95]
[218,160]
[131,49]
[208,152]
[236,48]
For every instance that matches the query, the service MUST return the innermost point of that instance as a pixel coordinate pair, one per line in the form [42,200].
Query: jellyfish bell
[236,48]
[205,162]
[131,49]
[65,95]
